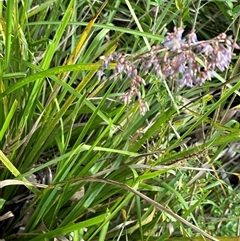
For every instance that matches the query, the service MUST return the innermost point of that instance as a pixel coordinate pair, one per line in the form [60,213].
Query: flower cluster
[188,61]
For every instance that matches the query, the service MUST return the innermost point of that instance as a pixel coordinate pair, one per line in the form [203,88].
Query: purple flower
[126,97]
[178,63]
[204,75]
[167,71]
[205,48]
[106,61]
[120,68]
[223,57]
[186,80]
[192,37]
[174,40]
[100,73]
[174,44]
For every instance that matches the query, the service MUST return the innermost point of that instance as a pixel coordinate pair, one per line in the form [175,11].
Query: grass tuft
[102,136]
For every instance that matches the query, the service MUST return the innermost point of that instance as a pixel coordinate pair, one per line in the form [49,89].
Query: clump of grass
[79,161]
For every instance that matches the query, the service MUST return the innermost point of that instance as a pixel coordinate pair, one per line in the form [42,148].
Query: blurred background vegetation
[77,163]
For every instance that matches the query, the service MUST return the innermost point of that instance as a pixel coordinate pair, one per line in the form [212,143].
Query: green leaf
[179,4]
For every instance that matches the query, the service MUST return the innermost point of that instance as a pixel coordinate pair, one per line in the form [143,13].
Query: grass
[80,164]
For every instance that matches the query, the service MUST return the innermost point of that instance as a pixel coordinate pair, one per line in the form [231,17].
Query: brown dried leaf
[6,216]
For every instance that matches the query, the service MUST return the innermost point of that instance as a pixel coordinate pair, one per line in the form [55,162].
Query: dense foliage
[119,120]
